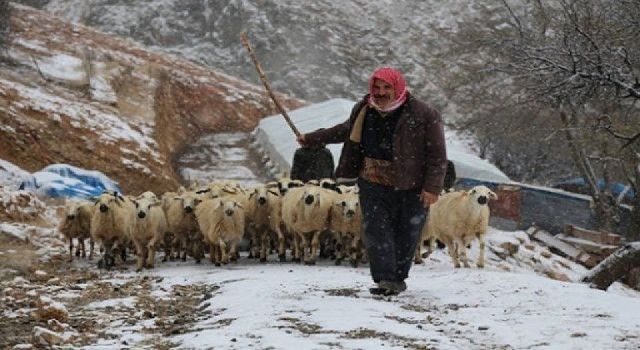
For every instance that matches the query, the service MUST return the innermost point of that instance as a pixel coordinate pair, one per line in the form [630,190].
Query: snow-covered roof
[275,137]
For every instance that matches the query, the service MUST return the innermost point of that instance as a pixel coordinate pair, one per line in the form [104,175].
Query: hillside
[71,94]
[313,49]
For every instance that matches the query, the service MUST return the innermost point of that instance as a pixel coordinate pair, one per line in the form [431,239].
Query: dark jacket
[419,150]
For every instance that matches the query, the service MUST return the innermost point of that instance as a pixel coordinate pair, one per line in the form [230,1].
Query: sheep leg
[174,248]
[70,249]
[216,253]
[315,245]
[282,253]
[78,247]
[302,247]
[91,246]
[417,258]
[107,260]
[264,244]
[453,251]
[463,252]
[196,247]
[339,248]
[296,248]
[233,251]
[256,243]
[184,246]
[123,253]
[151,253]
[82,248]
[480,262]
[212,253]
[355,248]
[140,255]
[432,245]
[224,257]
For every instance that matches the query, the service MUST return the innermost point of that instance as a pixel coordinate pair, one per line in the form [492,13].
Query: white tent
[278,141]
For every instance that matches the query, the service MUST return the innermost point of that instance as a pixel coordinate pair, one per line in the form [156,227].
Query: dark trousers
[393,222]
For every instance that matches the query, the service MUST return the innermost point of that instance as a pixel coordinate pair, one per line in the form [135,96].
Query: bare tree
[570,62]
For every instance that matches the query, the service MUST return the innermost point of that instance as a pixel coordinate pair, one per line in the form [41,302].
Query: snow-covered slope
[78,96]
[313,49]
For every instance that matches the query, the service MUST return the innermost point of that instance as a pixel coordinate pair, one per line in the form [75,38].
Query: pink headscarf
[393,78]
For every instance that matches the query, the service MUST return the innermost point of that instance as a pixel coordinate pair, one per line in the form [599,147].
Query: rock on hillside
[71,94]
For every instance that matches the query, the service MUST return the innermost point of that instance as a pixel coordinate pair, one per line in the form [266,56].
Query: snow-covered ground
[525,298]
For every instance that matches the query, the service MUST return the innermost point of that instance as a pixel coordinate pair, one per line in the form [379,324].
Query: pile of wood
[587,247]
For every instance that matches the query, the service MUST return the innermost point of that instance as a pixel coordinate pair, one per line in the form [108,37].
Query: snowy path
[223,156]
[249,305]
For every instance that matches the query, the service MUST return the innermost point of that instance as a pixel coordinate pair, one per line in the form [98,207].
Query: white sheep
[264,219]
[346,224]
[182,224]
[111,225]
[222,222]
[76,223]
[150,226]
[305,212]
[456,219]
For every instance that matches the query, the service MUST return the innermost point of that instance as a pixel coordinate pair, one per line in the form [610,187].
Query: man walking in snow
[394,144]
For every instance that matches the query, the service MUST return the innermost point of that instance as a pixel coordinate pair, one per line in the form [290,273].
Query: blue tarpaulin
[63,180]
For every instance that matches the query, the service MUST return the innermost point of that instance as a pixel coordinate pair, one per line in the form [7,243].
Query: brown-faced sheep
[76,223]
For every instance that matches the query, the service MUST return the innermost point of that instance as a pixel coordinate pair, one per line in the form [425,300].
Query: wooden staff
[265,82]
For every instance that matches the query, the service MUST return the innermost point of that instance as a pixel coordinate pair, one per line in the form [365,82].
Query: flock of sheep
[318,218]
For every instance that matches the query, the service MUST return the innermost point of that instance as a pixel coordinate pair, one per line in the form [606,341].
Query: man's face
[383,93]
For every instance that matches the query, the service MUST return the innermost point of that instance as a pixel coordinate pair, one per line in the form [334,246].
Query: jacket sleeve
[436,154]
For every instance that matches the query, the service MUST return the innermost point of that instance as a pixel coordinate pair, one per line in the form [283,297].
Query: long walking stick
[265,82]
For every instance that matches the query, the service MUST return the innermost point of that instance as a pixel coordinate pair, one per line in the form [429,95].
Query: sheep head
[189,201]
[107,200]
[143,205]
[481,195]
[349,206]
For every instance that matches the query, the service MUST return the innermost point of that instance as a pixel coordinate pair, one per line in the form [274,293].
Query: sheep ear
[493,195]
[239,206]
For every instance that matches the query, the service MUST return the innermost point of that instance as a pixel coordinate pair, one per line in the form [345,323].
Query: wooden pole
[265,82]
